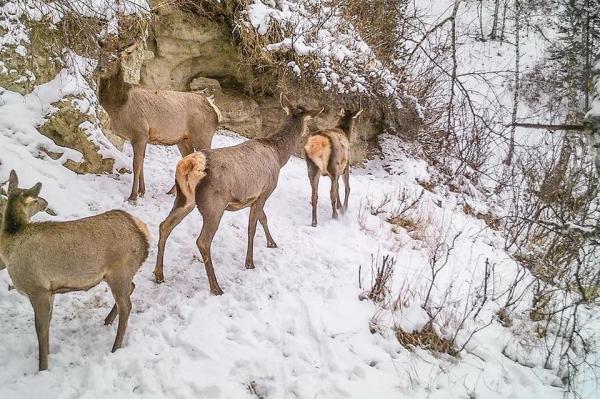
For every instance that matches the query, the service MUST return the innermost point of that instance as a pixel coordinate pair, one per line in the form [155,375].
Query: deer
[48,258]
[149,116]
[41,205]
[232,178]
[327,153]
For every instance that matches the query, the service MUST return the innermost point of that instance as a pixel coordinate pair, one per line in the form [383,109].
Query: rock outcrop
[192,52]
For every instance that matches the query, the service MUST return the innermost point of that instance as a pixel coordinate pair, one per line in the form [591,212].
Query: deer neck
[287,138]
[113,91]
[346,124]
[13,221]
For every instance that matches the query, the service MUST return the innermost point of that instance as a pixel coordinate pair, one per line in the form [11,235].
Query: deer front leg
[142,184]
[42,308]
[139,149]
[254,211]
[262,218]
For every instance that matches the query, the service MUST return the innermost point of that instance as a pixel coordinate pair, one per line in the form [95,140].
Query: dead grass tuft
[426,339]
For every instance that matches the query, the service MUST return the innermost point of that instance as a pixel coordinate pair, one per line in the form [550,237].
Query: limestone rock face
[37,62]
[187,46]
[198,54]
[64,128]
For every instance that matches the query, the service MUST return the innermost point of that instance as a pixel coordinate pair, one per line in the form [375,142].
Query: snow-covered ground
[293,327]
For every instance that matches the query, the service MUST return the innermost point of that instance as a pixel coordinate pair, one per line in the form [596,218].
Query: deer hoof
[271,244]
[314,224]
[159,278]
[249,265]
[216,291]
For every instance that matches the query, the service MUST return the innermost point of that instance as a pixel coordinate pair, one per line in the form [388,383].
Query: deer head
[24,203]
[299,110]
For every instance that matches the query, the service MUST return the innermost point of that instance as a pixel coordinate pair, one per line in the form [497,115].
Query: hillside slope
[293,327]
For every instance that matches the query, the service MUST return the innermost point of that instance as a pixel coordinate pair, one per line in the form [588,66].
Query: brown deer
[328,154]
[147,116]
[48,258]
[40,205]
[231,179]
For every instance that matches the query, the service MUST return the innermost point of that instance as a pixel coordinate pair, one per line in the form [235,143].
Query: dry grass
[493,222]
[426,339]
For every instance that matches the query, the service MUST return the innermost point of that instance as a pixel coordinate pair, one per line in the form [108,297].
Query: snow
[292,327]
[21,115]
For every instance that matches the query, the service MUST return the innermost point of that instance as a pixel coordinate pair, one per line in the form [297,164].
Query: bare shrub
[381,279]
[552,230]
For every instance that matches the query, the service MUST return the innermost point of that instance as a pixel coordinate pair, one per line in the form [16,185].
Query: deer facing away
[147,116]
[48,258]
[328,154]
[231,179]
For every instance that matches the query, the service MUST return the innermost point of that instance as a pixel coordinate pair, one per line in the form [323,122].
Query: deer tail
[190,170]
[212,104]
[318,149]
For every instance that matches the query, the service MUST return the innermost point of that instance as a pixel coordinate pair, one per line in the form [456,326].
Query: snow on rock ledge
[50,89]
[346,63]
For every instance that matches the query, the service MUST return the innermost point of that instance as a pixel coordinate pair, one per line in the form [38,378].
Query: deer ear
[13,182]
[357,114]
[34,191]
[313,113]
[285,104]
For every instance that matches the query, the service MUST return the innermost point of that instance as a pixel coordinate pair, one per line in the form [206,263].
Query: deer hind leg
[256,212]
[42,307]
[185,149]
[262,218]
[121,289]
[179,211]
[346,176]
[211,219]
[139,151]
[313,175]
[113,312]
[334,194]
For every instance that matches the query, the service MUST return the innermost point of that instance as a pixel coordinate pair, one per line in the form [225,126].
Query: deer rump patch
[318,150]
[190,170]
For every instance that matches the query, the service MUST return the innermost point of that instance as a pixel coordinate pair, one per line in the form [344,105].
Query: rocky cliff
[192,52]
